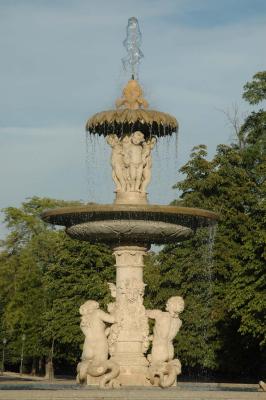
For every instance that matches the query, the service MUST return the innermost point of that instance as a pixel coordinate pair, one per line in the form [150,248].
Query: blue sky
[61,63]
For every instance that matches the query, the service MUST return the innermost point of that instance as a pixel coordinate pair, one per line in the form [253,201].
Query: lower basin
[129,231]
[128,224]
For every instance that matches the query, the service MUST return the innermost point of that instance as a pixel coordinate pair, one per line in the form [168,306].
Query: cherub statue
[117,162]
[113,331]
[167,324]
[147,162]
[132,97]
[132,152]
[94,359]
[126,144]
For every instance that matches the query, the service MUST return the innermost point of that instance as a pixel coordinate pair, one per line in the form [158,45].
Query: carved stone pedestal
[93,380]
[126,337]
[131,198]
[129,336]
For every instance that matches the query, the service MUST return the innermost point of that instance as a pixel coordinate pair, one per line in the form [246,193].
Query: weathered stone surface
[129,231]
[94,359]
[132,115]
[163,367]
[185,216]
[127,338]
[131,163]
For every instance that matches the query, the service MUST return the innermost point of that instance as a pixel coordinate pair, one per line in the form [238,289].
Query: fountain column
[129,337]
[131,163]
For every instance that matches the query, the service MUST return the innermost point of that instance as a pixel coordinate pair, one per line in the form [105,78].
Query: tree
[224,325]
[255,91]
[81,272]
[44,278]
[249,279]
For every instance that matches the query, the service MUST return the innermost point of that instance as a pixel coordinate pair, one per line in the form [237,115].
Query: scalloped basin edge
[120,224]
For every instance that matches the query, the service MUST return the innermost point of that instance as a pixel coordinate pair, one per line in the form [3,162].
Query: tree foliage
[224,325]
[255,91]
[44,278]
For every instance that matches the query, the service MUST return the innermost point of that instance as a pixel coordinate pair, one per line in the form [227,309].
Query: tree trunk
[33,366]
[49,370]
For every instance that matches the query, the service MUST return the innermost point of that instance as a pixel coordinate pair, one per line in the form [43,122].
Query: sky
[61,63]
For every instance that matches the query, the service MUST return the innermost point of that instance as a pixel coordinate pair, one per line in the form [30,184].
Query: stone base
[129,376]
[93,380]
[133,376]
[131,198]
[156,383]
[133,369]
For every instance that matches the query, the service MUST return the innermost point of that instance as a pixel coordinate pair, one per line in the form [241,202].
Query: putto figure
[147,163]
[167,324]
[94,359]
[117,163]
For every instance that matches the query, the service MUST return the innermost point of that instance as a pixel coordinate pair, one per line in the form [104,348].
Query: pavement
[26,387]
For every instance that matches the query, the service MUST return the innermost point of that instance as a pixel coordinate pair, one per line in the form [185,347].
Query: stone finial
[132,97]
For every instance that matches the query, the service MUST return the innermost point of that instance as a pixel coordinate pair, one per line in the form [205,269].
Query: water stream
[208,277]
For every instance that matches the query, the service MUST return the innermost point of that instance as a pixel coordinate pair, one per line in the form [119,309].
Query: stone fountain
[117,340]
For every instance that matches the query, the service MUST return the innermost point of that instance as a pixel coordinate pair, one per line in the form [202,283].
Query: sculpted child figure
[126,144]
[94,359]
[134,159]
[167,324]
[117,162]
[92,324]
[147,163]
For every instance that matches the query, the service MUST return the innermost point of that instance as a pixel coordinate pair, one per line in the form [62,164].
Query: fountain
[117,340]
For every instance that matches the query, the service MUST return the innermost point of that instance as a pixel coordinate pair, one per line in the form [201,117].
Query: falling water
[212,230]
[90,158]
[164,172]
[176,151]
[98,170]
[208,277]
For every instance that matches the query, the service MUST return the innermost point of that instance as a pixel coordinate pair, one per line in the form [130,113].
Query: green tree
[44,278]
[224,323]
[247,297]
[81,272]
[255,91]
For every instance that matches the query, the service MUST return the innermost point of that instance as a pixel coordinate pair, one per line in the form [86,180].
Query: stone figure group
[102,329]
[131,161]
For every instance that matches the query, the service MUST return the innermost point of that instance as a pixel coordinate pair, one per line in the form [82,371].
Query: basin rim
[63,215]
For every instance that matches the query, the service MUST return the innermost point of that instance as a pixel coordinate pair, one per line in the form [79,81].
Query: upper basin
[117,224]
